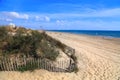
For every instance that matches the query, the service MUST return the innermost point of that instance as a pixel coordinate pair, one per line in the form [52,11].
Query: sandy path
[98,59]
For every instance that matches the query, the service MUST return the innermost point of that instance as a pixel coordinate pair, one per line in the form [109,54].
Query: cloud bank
[104,19]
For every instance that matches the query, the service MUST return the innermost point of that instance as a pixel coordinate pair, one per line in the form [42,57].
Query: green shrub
[3,33]
[49,51]
[28,44]
[23,44]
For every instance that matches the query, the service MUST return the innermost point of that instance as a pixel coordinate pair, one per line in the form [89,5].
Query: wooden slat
[7,67]
[8,64]
[2,64]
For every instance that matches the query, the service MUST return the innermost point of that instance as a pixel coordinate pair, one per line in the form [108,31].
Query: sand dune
[98,59]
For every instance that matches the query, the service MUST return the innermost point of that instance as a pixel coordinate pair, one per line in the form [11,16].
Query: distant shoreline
[96,33]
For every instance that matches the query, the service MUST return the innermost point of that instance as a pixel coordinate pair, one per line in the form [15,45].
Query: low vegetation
[19,42]
[28,44]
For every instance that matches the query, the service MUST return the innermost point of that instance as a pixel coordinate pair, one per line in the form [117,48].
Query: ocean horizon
[104,33]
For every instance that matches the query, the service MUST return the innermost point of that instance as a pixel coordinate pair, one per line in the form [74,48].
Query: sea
[109,34]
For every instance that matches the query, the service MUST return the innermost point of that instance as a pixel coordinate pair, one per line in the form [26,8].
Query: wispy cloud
[47,18]
[115,12]
[9,20]
[6,19]
[16,15]
[90,14]
[60,22]
[37,18]
[42,18]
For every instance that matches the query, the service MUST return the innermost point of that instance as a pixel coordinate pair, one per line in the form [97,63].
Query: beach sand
[98,59]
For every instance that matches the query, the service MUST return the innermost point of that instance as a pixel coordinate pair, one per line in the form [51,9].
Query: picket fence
[19,64]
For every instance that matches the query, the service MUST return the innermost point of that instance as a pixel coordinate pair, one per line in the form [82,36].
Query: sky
[61,14]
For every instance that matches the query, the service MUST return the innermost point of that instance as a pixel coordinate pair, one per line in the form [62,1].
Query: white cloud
[39,18]
[25,16]
[90,25]
[13,14]
[9,20]
[42,18]
[36,18]
[60,22]
[17,15]
[47,18]
[4,19]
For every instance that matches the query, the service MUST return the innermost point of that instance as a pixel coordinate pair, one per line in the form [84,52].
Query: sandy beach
[98,59]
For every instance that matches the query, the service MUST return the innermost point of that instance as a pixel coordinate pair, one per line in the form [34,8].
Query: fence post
[7,66]
[8,63]
[24,63]
[49,67]
[52,68]
[12,65]
[16,63]
[34,62]
[31,63]
[37,63]
[40,60]
[58,69]
[44,64]
[1,64]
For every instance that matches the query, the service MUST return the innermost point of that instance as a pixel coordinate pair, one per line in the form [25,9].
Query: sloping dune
[98,59]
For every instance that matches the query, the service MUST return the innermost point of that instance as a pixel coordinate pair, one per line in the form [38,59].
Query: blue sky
[62,14]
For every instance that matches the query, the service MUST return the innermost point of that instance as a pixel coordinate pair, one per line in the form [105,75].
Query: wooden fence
[24,64]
